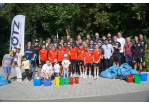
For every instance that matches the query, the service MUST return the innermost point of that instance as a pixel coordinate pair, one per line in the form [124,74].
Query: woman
[29,52]
[17,62]
[62,42]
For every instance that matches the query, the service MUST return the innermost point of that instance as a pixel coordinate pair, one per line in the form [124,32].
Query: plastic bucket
[37,82]
[70,80]
[66,81]
[143,76]
[61,81]
[57,81]
[137,79]
[76,80]
[129,78]
[47,82]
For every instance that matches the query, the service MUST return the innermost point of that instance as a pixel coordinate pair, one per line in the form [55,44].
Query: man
[49,42]
[68,38]
[103,40]
[101,65]
[95,40]
[108,52]
[110,40]
[128,51]
[55,41]
[87,42]
[37,49]
[7,63]
[144,45]
[78,38]
[122,42]
[137,53]
[117,48]
[88,37]
[91,45]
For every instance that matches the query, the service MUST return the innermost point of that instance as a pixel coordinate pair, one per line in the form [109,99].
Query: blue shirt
[107,50]
[30,53]
[54,43]
[92,47]
[77,46]
[96,40]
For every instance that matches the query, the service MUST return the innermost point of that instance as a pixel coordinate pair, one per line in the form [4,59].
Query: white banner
[17,33]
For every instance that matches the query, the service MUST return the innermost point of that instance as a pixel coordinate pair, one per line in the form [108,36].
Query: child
[26,65]
[65,64]
[88,61]
[96,59]
[56,68]
[52,55]
[81,59]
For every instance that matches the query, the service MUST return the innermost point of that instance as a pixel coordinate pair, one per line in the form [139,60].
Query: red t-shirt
[97,54]
[67,55]
[88,57]
[81,54]
[60,54]
[43,54]
[128,48]
[63,48]
[73,52]
[52,55]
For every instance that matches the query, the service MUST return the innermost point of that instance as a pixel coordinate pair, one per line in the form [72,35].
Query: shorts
[88,65]
[81,63]
[7,70]
[73,61]
[42,63]
[96,64]
[137,59]
[116,57]
[37,62]
[60,62]
[143,58]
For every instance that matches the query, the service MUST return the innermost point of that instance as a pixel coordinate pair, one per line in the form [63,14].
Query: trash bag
[124,69]
[133,71]
[3,80]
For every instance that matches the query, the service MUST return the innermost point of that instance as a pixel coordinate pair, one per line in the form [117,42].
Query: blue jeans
[57,75]
[32,67]
[7,70]
[65,72]
[128,58]
[123,58]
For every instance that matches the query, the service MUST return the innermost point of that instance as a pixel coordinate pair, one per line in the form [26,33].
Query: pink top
[128,49]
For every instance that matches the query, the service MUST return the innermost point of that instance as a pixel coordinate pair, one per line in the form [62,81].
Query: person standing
[110,40]
[103,40]
[68,38]
[128,51]
[137,53]
[62,42]
[55,41]
[122,42]
[79,38]
[88,37]
[95,40]
[77,44]
[37,49]
[7,63]
[144,45]
[49,42]
[117,48]
[17,63]
[101,64]
[108,53]
[52,55]
[30,52]
[91,45]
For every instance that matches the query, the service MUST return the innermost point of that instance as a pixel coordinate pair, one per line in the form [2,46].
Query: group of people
[62,57]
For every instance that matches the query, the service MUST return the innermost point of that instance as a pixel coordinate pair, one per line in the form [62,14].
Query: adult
[7,63]
[108,52]
[55,41]
[48,42]
[88,37]
[87,42]
[37,49]
[95,40]
[101,65]
[62,42]
[122,42]
[68,38]
[91,45]
[103,40]
[80,41]
[77,44]
[78,38]
[71,40]
[137,53]
[128,51]
[30,52]
[85,45]
[144,45]
[17,63]
[117,48]
[110,40]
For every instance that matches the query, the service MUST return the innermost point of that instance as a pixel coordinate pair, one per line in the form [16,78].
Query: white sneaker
[84,76]
[74,74]
[94,77]
[80,75]
[17,79]
[20,80]
[71,75]
[89,76]
[97,77]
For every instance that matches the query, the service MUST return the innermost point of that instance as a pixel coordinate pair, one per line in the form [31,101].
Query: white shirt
[47,68]
[65,63]
[107,50]
[122,42]
[56,68]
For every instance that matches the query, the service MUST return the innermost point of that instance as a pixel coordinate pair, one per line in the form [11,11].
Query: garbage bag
[133,71]
[3,80]
[124,69]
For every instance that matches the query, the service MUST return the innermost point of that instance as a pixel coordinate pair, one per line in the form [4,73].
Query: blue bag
[3,80]
[123,69]
[133,71]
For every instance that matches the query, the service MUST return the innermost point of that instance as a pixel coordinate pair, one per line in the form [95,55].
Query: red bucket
[129,78]
[70,80]
[76,80]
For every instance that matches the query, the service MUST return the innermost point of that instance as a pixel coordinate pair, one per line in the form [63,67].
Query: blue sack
[133,71]
[123,69]
[3,80]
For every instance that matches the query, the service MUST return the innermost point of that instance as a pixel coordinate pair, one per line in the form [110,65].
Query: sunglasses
[36,42]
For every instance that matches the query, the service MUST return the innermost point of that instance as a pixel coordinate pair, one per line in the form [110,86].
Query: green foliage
[147,60]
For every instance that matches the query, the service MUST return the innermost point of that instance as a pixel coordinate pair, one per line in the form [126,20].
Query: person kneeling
[47,70]
[65,64]
[56,68]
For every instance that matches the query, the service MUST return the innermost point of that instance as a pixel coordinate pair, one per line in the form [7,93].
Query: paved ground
[86,88]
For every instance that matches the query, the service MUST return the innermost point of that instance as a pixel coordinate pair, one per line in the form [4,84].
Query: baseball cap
[36,40]
[65,56]
[55,60]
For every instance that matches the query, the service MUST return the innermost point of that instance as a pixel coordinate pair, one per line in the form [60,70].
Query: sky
[1,4]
